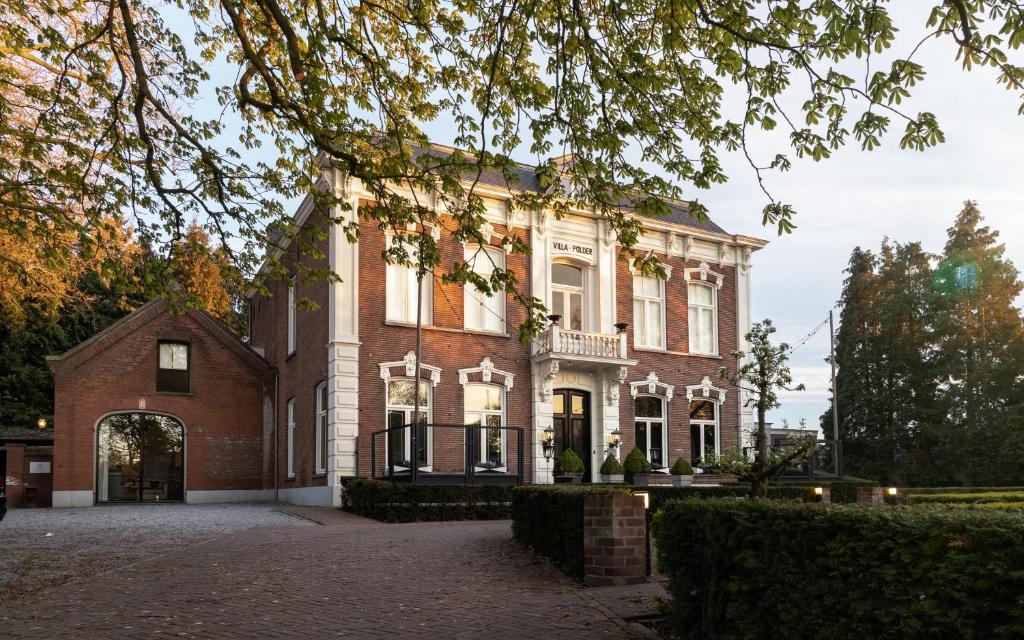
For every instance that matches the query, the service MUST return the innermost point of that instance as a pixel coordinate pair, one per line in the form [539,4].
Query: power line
[810,335]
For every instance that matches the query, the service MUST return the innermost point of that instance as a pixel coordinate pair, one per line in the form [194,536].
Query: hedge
[402,502]
[661,494]
[549,520]
[965,497]
[841,491]
[756,570]
[928,490]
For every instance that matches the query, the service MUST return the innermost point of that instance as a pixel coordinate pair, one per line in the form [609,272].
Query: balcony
[580,346]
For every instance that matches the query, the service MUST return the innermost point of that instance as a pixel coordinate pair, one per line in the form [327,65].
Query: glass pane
[641,436]
[639,323]
[493,448]
[493,313]
[575,312]
[174,356]
[566,274]
[557,404]
[652,287]
[702,410]
[695,448]
[647,407]
[558,303]
[140,458]
[699,294]
[709,440]
[403,393]
[654,324]
[707,332]
[483,397]
[577,405]
[493,420]
[396,438]
[657,455]
[694,326]
[472,418]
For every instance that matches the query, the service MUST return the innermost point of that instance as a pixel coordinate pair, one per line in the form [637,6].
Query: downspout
[277,418]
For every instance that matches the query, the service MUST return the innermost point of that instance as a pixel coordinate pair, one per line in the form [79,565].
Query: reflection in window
[703,318]
[140,458]
[704,433]
[401,401]
[173,370]
[484,406]
[651,434]
[567,289]
[321,427]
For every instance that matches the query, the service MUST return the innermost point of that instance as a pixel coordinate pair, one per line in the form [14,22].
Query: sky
[857,198]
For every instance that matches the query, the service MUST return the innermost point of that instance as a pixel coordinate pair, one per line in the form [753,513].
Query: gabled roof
[148,312]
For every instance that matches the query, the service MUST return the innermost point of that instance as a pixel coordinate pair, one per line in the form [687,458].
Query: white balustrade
[581,343]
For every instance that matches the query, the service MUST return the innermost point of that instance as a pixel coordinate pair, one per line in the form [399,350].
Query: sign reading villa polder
[572,247]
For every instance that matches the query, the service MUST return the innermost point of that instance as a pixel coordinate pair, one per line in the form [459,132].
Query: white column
[343,345]
[606,271]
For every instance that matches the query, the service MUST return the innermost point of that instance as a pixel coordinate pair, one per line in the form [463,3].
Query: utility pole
[832,361]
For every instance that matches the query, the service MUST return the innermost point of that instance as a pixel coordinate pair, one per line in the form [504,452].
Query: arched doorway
[140,458]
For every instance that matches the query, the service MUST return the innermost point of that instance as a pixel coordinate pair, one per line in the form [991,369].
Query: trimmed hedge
[402,502]
[761,570]
[965,498]
[841,491]
[549,520]
[661,494]
[928,490]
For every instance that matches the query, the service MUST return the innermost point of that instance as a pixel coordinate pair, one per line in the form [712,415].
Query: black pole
[414,458]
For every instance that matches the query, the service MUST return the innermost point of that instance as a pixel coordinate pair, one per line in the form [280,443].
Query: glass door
[567,295]
[571,413]
[140,458]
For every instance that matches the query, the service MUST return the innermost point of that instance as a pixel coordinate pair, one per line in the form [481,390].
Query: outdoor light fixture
[554,318]
[41,423]
[892,491]
[647,529]
[819,491]
[620,327]
[548,442]
[647,498]
[614,439]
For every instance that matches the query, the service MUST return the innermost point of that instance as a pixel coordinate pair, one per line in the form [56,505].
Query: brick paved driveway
[356,579]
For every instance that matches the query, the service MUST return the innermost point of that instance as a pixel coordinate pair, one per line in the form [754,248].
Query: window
[703,320]
[651,434]
[485,406]
[321,427]
[483,312]
[172,374]
[401,290]
[290,450]
[648,312]
[291,316]
[400,406]
[567,290]
[703,430]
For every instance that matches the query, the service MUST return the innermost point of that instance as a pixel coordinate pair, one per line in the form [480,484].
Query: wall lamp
[548,443]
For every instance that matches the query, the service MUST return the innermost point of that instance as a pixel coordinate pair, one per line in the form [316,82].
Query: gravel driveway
[46,547]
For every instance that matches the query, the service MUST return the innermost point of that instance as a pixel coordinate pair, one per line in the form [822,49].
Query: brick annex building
[172,407]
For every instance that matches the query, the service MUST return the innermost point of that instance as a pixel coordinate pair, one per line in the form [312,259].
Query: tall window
[400,407]
[703,319]
[648,311]
[291,316]
[290,452]
[703,430]
[321,427]
[401,290]
[483,312]
[651,434]
[567,299]
[485,406]
[173,370]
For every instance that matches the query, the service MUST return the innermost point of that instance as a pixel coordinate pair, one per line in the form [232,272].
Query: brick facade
[116,372]
[614,540]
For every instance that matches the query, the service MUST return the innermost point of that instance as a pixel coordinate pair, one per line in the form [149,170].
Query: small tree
[761,377]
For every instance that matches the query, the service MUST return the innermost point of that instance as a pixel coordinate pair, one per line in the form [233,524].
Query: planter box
[614,478]
[638,479]
[568,478]
[682,481]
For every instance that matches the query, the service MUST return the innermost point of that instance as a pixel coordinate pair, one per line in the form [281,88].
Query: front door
[571,413]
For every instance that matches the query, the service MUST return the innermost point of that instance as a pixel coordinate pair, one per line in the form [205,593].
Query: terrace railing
[448,454]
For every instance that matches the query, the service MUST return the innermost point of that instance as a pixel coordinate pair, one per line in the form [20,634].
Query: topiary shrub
[567,463]
[681,468]
[636,462]
[612,466]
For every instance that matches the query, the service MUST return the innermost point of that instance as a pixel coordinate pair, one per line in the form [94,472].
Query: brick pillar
[614,540]
[870,495]
[15,480]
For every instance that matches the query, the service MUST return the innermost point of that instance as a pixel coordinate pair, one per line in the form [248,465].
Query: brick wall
[614,540]
[117,372]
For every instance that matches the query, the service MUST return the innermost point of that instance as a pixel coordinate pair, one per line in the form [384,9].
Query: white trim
[427,407]
[483,413]
[76,498]
[290,439]
[693,332]
[230,495]
[653,387]
[475,309]
[322,496]
[647,301]
[702,273]
[320,432]
[717,423]
[404,310]
[705,388]
[408,364]
[486,371]
[648,421]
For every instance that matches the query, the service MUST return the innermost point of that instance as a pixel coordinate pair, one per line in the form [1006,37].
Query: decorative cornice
[652,386]
[705,388]
[702,273]
[487,372]
[408,363]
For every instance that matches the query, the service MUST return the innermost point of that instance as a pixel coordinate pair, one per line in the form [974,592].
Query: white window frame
[409,409]
[321,428]
[695,331]
[704,423]
[566,291]
[477,307]
[290,449]
[642,333]
[663,421]
[291,316]
[483,413]
[400,285]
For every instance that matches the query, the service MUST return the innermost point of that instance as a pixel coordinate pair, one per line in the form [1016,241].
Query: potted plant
[682,473]
[637,468]
[568,468]
[611,470]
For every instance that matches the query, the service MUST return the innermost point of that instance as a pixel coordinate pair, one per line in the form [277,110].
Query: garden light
[892,491]
[819,491]
[41,423]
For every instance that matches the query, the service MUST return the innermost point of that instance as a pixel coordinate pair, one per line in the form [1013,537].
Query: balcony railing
[448,454]
[560,341]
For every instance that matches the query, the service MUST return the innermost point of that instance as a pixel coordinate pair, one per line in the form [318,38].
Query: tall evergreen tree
[980,349]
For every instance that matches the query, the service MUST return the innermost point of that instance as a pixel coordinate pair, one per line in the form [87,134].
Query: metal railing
[825,462]
[581,343]
[434,460]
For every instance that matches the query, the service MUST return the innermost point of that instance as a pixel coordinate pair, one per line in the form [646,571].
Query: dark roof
[28,435]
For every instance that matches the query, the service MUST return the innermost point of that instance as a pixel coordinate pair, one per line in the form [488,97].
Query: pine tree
[980,349]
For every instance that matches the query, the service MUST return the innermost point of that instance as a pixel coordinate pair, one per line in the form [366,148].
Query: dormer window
[172,374]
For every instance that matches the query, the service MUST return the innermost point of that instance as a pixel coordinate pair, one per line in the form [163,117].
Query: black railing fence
[448,454]
[825,462]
